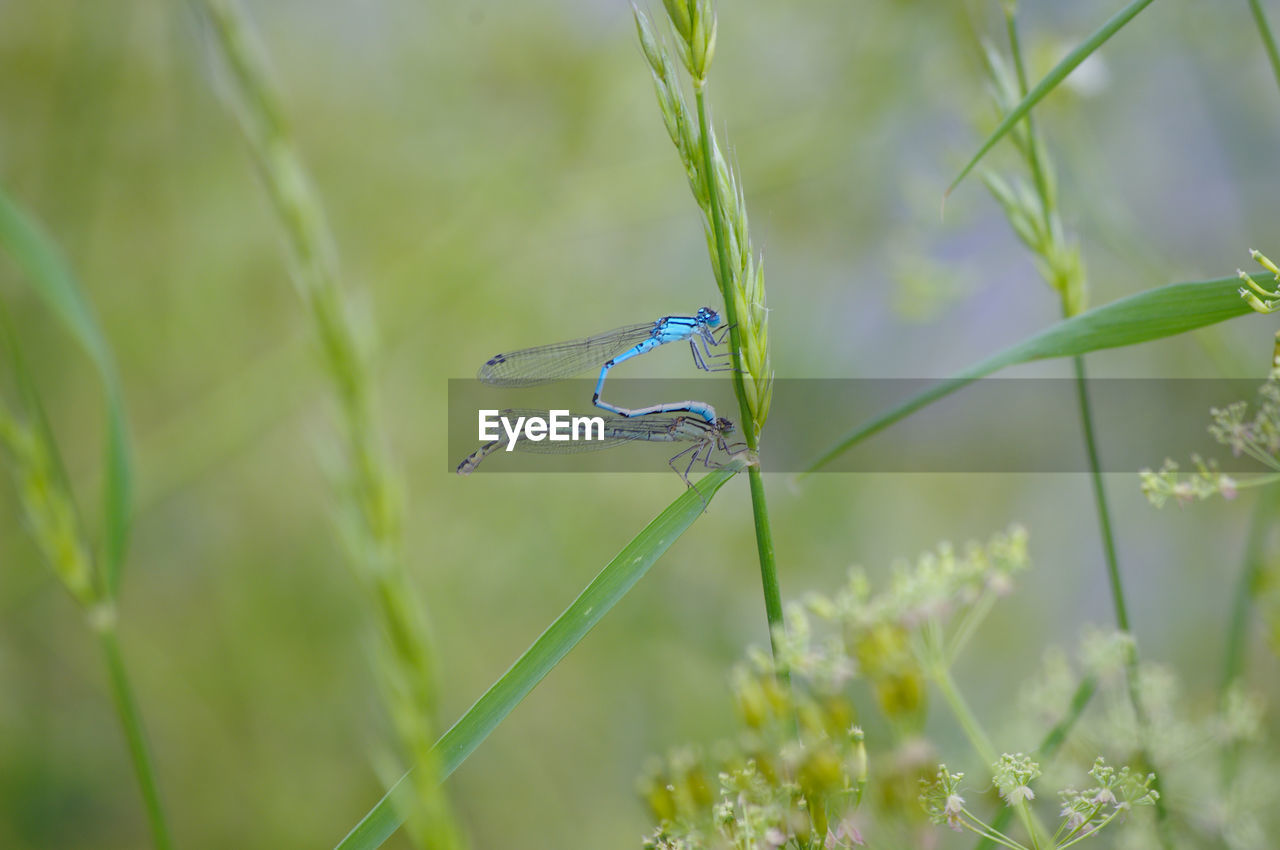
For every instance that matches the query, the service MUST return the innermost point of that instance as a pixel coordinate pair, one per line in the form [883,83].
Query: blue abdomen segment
[696,329]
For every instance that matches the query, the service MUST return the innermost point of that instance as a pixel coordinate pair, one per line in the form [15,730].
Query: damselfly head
[708,317]
[724,426]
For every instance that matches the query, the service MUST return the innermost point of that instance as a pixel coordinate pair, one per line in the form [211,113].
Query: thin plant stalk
[1049,745]
[99,611]
[1019,67]
[55,525]
[981,743]
[1113,570]
[1068,278]
[1055,737]
[131,723]
[1141,719]
[759,508]
[738,272]
[372,514]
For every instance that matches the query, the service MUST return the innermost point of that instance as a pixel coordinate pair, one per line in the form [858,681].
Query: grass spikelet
[739,272]
[49,509]
[718,191]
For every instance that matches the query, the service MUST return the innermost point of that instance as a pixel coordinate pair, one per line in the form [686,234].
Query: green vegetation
[246,244]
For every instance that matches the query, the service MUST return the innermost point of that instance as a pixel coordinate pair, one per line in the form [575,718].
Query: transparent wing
[560,360]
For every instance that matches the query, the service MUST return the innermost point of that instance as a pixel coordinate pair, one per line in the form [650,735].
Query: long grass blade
[1154,314]
[50,276]
[599,597]
[1051,80]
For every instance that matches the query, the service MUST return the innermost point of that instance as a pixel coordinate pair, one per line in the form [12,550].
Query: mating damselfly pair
[696,423]
[703,437]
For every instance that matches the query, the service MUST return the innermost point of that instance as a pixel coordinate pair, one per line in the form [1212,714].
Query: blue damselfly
[558,361]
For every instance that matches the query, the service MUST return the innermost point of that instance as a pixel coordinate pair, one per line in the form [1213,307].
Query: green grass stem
[131,723]
[371,520]
[1020,69]
[1069,279]
[981,744]
[1141,719]
[759,507]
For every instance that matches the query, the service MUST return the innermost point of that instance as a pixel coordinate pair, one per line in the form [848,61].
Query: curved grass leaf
[1154,314]
[52,279]
[1051,80]
[599,597]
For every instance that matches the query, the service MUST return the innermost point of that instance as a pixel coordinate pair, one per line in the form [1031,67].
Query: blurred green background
[497,175]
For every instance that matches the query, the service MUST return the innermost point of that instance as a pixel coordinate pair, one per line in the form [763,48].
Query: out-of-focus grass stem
[131,722]
[1019,67]
[1068,278]
[370,498]
[981,744]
